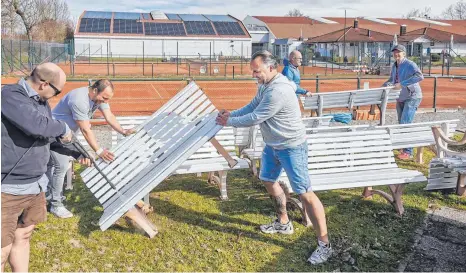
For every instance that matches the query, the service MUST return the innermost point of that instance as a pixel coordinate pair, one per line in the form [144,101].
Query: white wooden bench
[143,160]
[353,159]
[448,170]
[350,99]
[254,151]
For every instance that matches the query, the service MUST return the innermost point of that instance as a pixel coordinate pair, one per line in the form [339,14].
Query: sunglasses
[57,91]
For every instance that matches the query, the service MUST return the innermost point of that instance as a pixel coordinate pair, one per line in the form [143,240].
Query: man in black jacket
[28,134]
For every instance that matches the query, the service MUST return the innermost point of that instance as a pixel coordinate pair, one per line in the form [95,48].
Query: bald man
[28,134]
[291,71]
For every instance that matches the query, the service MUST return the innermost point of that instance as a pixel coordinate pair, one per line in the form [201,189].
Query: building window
[432,43]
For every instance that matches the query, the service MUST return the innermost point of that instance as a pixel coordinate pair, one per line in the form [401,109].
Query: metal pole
[430,61]
[241,58]
[11,55]
[443,60]
[233,72]
[143,58]
[177,58]
[225,68]
[113,69]
[152,70]
[317,84]
[435,93]
[344,39]
[89,54]
[108,65]
[210,58]
[358,85]
[20,58]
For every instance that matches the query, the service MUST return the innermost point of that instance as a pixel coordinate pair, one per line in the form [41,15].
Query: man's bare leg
[5,254]
[19,254]
[316,213]
[279,199]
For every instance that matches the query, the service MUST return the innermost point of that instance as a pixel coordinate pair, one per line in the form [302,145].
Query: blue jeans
[292,160]
[406,110]
[56,172]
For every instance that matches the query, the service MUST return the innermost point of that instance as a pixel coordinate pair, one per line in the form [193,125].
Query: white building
[161,35]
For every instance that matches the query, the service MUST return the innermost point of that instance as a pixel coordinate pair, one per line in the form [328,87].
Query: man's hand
[222,117]
[85,161]
[308,94]
[397,86]
[67,137]
[107,155]
[128,132]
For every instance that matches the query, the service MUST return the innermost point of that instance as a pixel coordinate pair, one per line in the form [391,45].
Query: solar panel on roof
[95,25]
[219,18]
[172,16]
[146,16]
[199,28]
[228,28]
[193,17]
[127,15]
[127,26]
[164,29]
[98,14]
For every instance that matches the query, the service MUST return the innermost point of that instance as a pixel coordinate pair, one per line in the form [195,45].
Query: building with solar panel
[158,34]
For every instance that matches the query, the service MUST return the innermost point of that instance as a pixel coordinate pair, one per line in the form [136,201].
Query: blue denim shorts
[292,160]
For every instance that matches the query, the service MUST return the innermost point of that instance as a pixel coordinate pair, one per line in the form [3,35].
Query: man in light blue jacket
[405,75]
[276,109]
[291,71]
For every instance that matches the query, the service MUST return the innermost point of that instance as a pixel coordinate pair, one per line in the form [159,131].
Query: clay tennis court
[144,97]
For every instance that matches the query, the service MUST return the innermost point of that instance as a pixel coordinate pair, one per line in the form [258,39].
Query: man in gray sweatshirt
[276,109]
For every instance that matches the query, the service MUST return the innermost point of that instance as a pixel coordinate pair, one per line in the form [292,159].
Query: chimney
[356,23]
[402,30]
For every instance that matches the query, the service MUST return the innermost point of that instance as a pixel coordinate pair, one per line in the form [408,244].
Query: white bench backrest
[349,99]
[143,160]
[340,152]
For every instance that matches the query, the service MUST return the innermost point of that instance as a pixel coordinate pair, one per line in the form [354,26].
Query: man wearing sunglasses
[29,133]
[76,109]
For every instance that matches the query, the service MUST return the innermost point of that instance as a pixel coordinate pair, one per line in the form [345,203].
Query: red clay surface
[145,97]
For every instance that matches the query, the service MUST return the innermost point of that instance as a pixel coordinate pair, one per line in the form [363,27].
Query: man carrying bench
[276,109]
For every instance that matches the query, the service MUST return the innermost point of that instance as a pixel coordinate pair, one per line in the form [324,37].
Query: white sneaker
[61,212]
[322,253]
[276,226]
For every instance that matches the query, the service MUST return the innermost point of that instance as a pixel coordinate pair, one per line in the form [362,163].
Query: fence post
[225,68]
[143,58]
[189,69]
[113,70]
[326,66]
[358,83]
[152,70]
[11,56]
[233,72]
[108,65]
[435,94]
[317,84]
[20,57]
[89,54]
[177,58]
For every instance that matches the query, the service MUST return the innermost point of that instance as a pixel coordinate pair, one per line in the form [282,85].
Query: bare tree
[294,13]
[455,11]
[426,12]
[33,13]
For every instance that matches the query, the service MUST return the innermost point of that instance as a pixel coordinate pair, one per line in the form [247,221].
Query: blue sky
[241,8]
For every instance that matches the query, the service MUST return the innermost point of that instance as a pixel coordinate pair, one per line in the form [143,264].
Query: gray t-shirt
[76,105]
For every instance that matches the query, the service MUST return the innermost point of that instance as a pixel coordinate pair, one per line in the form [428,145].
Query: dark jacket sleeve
[65,149]
[19,109]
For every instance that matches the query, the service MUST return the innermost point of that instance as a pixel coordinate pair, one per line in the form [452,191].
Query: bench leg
[139,220]
[69,177]
[394,198]
[461,187]
[254,167]
[367,193]
[419,155]
[221,181]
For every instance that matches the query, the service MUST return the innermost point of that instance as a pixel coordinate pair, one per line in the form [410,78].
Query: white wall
[127,47]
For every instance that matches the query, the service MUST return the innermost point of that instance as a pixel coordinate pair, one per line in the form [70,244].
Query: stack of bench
[448,170]
[159,147]
[352,159]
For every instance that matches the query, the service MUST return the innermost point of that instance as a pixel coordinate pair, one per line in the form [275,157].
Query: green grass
[198,232]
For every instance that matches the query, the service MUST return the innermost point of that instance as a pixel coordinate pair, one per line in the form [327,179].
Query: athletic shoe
[322,253]
[61,212]
[276,226]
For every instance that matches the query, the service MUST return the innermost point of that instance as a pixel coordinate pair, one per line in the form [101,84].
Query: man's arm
[416,75]
[65,149]
[390,79]
[300,91]
[267,108]
[113,122]
[19,109]
[249,108]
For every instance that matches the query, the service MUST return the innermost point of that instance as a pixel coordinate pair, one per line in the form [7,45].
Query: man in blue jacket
[28,134]
[405,75]
[291,71]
